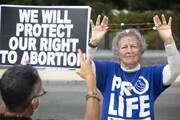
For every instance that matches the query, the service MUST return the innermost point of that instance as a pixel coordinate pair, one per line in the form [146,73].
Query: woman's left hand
[164,28]
[98,30]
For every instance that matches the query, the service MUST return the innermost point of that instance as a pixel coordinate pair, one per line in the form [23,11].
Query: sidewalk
[53,74]
[62,75]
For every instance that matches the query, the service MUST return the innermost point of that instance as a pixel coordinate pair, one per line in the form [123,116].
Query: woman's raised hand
[98,30]
[86,71]
[164,28]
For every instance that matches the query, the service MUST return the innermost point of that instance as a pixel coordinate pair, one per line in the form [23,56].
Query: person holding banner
[20,88]
[129,89]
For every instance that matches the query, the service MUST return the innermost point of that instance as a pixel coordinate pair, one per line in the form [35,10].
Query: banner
[49,36]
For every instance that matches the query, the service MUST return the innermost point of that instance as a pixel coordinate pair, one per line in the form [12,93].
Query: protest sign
[49,36]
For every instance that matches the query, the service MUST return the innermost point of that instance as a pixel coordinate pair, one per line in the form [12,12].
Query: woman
[128,88]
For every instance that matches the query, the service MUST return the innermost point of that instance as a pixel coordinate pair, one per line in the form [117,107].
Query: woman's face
[129,52]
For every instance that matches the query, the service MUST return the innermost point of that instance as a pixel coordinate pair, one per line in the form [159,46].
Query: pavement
[65,100]
[57,74]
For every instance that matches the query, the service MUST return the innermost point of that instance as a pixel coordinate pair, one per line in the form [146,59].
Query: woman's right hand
[86,72]
[98,30]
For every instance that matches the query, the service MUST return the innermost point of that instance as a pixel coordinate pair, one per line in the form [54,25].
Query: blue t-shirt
[128,95]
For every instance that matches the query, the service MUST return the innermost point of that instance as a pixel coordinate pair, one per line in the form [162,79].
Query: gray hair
[129,32]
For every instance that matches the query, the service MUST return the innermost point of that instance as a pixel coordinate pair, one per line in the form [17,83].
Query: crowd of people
[129,89]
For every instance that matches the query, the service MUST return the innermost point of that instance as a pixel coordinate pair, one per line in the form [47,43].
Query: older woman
[128,88]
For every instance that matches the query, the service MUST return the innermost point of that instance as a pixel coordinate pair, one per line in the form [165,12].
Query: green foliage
[153,40]
[22,2]
[140,14]
[143,21]
[142,5]
[100,8]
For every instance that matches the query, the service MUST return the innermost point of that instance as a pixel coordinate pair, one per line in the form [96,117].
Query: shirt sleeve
[171,70]
[91,51]
[159,87]
[101,72]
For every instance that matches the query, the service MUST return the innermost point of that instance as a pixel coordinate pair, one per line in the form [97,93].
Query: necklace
[130,82]
[129,87]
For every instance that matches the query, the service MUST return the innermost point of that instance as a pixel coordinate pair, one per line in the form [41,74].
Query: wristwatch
[91,45]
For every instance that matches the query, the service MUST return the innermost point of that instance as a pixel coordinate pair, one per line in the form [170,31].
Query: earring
[35,103]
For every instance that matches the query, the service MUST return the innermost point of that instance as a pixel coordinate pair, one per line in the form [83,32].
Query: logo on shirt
[128,103]
[141,85]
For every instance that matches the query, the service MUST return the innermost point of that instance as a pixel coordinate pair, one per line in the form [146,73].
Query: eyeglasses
[41,93]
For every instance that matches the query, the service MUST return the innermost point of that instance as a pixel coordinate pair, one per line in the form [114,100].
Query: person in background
[20,88]
[130,89]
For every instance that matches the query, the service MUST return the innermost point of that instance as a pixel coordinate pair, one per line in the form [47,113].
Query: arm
[92,97]
[171,70]
[98,31]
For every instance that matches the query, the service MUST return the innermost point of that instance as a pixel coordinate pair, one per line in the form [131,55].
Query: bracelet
[93,95]
[91,45]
